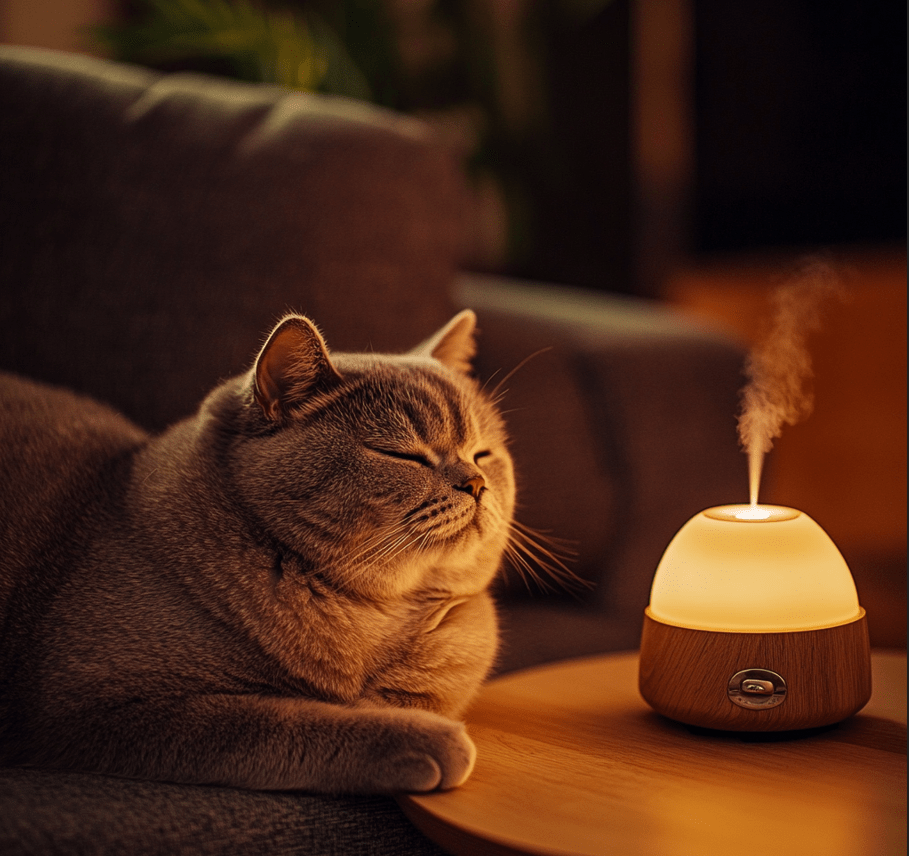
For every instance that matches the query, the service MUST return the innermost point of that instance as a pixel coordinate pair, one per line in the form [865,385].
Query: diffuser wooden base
[685,673]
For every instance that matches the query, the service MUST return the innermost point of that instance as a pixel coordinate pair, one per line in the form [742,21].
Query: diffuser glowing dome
[753,569]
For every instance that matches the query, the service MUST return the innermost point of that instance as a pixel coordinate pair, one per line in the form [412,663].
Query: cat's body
[288,590]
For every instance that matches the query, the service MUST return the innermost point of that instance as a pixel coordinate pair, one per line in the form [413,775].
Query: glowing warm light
[747,568]
[753,512]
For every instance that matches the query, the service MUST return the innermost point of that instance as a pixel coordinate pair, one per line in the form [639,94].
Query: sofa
[152,229]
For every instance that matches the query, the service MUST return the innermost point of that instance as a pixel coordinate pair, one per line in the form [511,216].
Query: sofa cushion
[52,812]
[153,227]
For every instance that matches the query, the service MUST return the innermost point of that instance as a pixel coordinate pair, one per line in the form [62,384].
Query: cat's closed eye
[413,457]
[480,455]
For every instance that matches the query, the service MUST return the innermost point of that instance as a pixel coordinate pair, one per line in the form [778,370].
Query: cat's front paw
[433,753]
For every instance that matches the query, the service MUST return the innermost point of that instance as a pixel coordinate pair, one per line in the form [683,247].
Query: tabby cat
[286,591]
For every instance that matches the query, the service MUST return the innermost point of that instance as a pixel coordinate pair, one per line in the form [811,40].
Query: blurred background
[685,151]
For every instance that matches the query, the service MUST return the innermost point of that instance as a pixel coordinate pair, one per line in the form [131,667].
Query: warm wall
[58,24]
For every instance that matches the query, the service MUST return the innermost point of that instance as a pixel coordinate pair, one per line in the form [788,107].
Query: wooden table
[572,761]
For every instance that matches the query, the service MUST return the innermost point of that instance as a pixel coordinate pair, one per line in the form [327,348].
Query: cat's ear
[455,344]
[292,365]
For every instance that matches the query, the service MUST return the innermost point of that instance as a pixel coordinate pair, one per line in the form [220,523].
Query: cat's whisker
[404,544]
[494,395]
[370,545]
[399,541]
[422,542]
[525,570]
[517,561]
[150,474]
[540,558]
[489,380]
[551,559]
[377,548]
[562,547]
[530,569]
[388,547]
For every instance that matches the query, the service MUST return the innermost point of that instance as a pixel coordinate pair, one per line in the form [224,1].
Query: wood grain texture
[573,761]
[684,674]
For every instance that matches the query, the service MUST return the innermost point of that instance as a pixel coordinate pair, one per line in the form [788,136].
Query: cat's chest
[347,653]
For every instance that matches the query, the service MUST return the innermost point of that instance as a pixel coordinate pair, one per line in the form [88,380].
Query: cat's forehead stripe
[421,414]
[450,398]
[428,404]
[459,422]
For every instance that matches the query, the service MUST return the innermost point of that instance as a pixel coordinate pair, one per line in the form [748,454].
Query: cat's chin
[465,542]
[463,563]
[455,532]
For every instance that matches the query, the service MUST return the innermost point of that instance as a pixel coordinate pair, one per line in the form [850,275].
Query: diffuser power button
[758,689]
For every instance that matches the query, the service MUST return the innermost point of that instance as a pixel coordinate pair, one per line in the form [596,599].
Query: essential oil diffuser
[754,624]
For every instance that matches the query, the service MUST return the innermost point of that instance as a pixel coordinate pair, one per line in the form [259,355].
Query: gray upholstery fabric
[74,813]
[157,226]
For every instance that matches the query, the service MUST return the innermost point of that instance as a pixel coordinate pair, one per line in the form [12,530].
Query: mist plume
[779,368]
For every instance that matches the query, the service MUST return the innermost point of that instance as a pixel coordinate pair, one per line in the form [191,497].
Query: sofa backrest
[153,227]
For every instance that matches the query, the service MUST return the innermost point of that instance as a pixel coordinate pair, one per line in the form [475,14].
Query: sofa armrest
[620,432]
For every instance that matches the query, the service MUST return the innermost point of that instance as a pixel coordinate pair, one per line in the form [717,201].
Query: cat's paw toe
[442,758]
[417,773]
[459,771]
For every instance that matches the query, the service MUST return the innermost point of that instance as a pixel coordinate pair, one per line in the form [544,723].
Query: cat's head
[386,474]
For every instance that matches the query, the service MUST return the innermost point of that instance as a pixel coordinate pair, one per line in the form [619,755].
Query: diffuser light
[760,568]
[754,624]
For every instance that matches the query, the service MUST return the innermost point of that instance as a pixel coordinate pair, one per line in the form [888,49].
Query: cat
[287,590]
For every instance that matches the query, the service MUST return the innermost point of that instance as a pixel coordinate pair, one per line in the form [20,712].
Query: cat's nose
[474,486]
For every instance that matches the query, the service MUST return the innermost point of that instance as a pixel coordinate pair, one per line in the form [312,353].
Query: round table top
[572,762]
